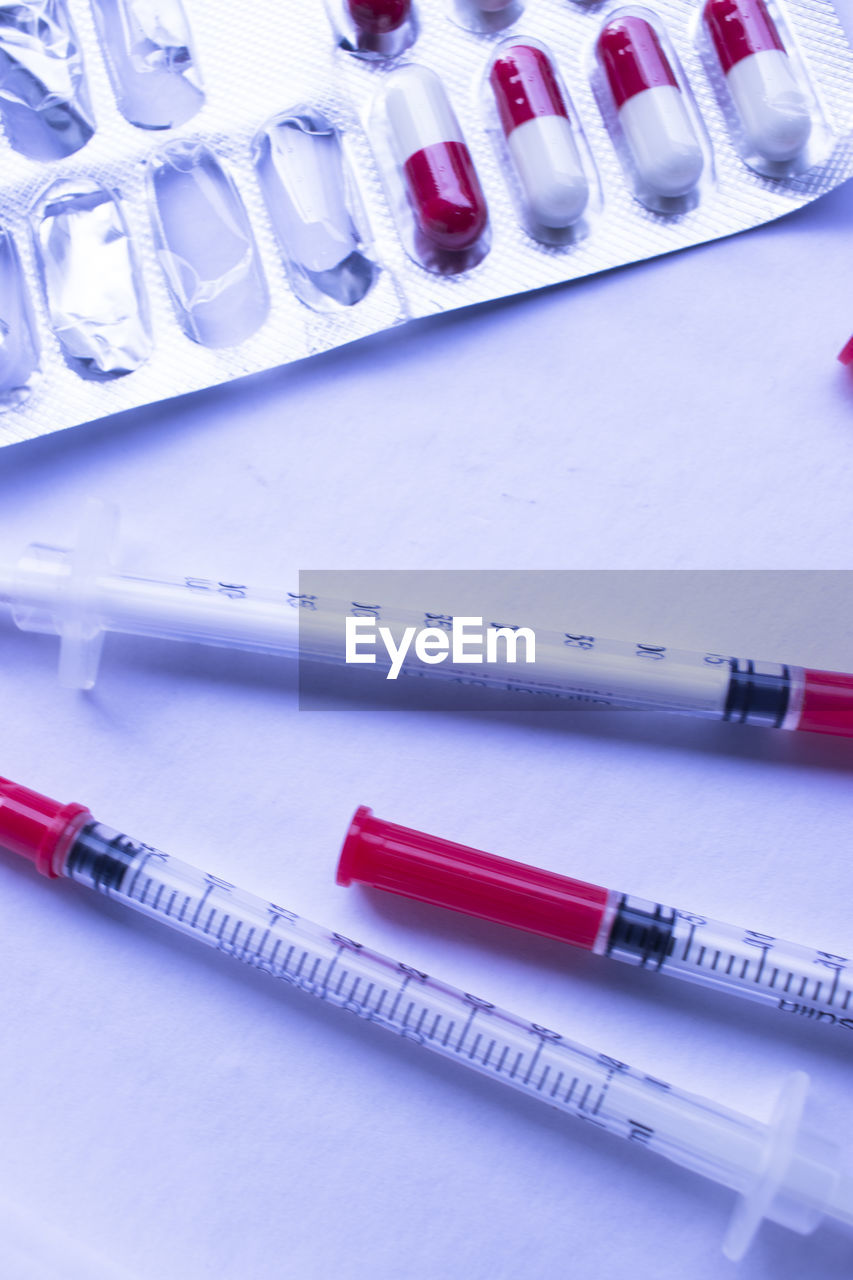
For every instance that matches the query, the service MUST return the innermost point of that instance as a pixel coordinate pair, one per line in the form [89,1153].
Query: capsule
[539,135]
[658,132]
[772,108]
[378,17]
[442,184]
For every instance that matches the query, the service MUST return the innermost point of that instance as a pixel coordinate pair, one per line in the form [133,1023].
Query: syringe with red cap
[79,594]
[814,986]
[781,1169]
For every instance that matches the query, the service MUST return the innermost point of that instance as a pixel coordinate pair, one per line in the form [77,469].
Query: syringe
[781,1170]
[814,986]
[78,595]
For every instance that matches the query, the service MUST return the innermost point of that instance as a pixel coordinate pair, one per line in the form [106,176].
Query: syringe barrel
[77,595]
[54,587]
[530,1058]
[814,986]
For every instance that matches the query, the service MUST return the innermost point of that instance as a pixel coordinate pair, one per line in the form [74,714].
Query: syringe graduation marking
[521,1069]
[762,972]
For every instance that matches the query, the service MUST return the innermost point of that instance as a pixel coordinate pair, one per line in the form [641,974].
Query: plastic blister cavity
[148,49]
[373,29]
[486,16]
[762,87]
[206,246]
[540,142]
[649,111]
[93,290]
[19,348]
[44,98]
[314,209]
[433,186]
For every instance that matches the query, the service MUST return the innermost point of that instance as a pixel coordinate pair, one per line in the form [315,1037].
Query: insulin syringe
[814,986]
[781,1170]
[78,595]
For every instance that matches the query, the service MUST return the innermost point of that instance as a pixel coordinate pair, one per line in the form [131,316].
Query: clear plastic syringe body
[816,986]
[78,594]
[528,1057]
[194,609]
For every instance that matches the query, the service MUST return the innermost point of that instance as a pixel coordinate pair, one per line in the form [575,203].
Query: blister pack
[188,196]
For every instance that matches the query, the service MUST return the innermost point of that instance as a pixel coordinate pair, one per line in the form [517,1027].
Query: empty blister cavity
[649,111]
[435,192]
[19,351]
[206,246]
[314,209]
[485,16]
[373,28]
[44,98]
[763,89]
[149,54]
[93,290]
[541,145]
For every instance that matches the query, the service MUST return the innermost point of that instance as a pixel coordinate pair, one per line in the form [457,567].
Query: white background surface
[186,1119]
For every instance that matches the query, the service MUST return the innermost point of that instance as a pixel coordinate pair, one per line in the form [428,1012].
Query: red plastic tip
[445,874]
[828,703]
[37,827]
[845,355]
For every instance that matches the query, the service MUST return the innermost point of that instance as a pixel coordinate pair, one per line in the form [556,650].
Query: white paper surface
[186,1119]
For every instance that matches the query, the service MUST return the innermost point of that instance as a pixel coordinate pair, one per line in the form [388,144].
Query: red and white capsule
[442,184]
[539,135]
[378,17]
[657,128]
[771,105]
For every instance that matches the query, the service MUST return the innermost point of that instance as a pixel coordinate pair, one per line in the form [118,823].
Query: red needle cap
[37,827]
[845,355]
[828,703]
[429,869]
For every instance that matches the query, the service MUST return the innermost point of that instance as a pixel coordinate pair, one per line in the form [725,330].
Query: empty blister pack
[187,197]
